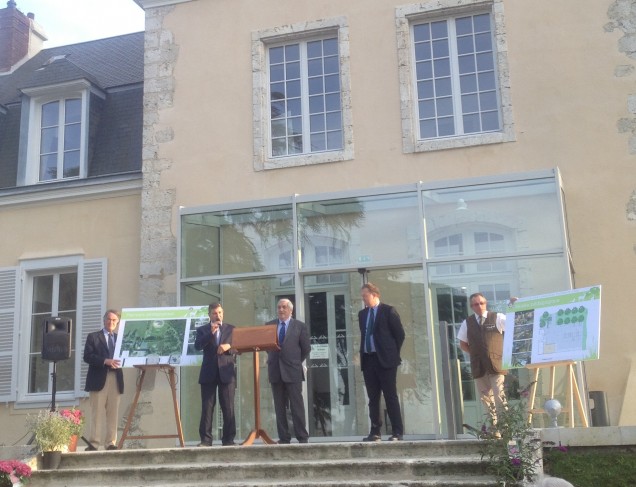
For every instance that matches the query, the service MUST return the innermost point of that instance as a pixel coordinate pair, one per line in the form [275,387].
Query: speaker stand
[53,385]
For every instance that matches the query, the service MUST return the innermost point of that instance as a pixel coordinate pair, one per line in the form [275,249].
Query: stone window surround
[405,16]
[28,172]
[260,100]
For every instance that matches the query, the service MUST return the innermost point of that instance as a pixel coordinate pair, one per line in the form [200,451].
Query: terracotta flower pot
[72,445]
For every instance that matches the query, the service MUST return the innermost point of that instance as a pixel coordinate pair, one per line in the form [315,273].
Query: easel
[256,339]
[573,392]
[172,380]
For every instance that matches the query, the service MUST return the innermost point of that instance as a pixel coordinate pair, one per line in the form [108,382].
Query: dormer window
[60,137]
[58,133]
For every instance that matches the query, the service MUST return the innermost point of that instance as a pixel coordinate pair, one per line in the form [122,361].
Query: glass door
[330,376]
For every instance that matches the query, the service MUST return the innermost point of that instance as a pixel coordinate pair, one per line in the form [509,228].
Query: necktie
[369,333]
[281,333]
[111,345]
[481,320]
[217,336]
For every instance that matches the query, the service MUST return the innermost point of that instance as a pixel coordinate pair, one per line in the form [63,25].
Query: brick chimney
[20,37]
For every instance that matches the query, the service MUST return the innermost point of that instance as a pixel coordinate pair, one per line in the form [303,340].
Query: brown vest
[486,346]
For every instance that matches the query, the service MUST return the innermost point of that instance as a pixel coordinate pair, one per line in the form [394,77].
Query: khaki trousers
[491,392]
[105,401]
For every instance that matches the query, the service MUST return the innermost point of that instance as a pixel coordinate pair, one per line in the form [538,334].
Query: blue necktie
[369,332]
[281,333]
[111,346]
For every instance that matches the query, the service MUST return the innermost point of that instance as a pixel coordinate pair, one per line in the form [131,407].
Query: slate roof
[115,122]
[111,62]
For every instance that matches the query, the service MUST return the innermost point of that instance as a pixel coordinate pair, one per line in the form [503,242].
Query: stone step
[321,470]
[426,463]
[272,453]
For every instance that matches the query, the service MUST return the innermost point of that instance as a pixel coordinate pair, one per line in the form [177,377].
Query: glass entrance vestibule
[427,246]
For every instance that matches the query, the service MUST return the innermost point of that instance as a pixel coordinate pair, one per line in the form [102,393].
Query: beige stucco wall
[94,227]
[566,102]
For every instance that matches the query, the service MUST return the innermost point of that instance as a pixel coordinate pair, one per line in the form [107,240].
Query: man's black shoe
[395,438]
[90,448]
[111,447]
[229,443]
[372,437]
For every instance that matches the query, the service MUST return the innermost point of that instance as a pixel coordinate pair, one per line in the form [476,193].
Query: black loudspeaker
[56,338]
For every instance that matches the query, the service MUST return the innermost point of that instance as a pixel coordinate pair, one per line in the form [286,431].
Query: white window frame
[293,33]
[91,305]
[39,97]
[432,10]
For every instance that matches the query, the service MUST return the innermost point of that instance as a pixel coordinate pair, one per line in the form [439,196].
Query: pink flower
[516,461]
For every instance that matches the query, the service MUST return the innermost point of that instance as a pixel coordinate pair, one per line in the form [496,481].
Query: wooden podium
[573,392]
[172,380]
[256,339]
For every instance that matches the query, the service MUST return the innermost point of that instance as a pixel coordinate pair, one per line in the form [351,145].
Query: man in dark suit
[217,371]
[382,336]
[104,382]
[286,374]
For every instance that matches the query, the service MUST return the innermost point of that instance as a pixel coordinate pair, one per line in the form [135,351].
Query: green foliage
[509,443]
[615,469]
[52,430]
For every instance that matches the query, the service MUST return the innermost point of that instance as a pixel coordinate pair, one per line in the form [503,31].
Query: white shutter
[9,332]
[91,306]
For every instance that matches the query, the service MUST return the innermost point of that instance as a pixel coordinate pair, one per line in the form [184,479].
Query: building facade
[436,148]
[70,184]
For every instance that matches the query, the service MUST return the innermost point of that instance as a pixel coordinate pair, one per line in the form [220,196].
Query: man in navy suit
[217,371]
[104,382]
[382,336]
[286,373]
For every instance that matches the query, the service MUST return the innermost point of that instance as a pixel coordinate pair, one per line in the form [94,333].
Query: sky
[72,21]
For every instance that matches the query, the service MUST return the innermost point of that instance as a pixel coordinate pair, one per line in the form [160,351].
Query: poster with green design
[159,335]
[553,327]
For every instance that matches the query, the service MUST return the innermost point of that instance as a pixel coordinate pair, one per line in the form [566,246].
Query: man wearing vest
[481,337]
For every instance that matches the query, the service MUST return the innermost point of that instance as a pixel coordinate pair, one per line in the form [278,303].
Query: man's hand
[224,347]
[112,363]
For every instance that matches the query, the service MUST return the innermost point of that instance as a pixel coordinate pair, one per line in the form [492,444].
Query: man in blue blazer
[217,371]
[104,382]
[382,336]
[286,373]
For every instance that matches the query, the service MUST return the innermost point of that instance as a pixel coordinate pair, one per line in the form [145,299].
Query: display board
[563,326]
[159,335]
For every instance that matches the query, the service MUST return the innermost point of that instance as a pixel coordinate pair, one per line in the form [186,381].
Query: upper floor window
[56,146]
[306,114]
[303,115]
[60,139]
[456,77]
[454,70]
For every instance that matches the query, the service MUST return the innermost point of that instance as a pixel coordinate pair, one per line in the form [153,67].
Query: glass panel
[71,164]
[73,111]
[353,226]
[525,213]
[48,142]
[72,136]
[520,277]
[50,114]
[246,302]
[235,241]
[48,167]
[42,294]
[68,293]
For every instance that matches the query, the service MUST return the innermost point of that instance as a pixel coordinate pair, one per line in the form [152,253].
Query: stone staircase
[408,463]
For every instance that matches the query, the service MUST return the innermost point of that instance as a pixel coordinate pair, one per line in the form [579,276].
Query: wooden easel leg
[570,373]
[533,394]
[131,413]
[579,401]
[173,386]
[265,437]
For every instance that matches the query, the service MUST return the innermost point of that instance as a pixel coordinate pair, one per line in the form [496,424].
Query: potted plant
[75,417]
[13,472]
[52,434]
